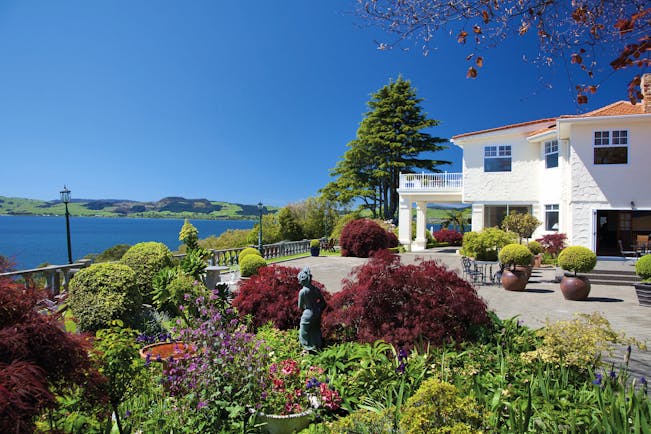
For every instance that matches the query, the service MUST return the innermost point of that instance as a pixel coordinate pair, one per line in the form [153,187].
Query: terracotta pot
[284,424]
[514,280]
[643,291]
[575,287]
[537,261]
[162,351]
[526,269]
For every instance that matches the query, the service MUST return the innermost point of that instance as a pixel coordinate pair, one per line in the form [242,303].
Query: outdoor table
[212,275]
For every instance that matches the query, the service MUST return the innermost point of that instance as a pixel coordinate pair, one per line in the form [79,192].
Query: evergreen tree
[390,141]
[290,229]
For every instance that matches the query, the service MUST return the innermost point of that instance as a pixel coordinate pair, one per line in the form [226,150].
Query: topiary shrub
[436,407]
[248,251]
[272,296]
[515,254]
[643,268]
[484,245]
[578,259]
[403,304]
[449,236]
[251,264]
[535,247]
[147,259]
[362,237]
[102,293]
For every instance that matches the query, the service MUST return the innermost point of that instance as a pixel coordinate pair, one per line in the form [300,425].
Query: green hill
[169,207]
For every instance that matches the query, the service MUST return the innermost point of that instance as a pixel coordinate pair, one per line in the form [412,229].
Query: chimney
[645,85]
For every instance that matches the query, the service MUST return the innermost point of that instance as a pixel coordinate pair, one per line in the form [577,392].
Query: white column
[477,217]
[404,220]
[421,216]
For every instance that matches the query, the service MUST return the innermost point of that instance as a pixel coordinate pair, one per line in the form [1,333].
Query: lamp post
[260,228]
[65,198]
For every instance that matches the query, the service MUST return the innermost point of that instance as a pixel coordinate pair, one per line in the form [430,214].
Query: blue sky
[234,101]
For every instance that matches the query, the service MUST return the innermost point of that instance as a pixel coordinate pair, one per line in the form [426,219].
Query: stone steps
[612,277]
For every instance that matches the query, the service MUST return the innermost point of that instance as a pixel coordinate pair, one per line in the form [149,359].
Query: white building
[588,176]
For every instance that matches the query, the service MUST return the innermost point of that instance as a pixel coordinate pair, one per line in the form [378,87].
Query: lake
[32,240]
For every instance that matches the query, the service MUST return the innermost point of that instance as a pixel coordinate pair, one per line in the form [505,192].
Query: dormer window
[551,154]
[497,158]
[611,147]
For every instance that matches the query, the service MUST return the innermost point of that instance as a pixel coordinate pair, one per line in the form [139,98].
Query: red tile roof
[619,108]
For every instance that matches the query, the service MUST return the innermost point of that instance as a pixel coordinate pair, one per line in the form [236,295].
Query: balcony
[431,183]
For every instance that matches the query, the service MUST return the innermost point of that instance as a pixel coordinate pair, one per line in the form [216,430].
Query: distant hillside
[169,207]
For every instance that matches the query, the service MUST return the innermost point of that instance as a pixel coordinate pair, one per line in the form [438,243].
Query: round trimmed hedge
[578,259]
[102,293]
[643,267]
[147,259]
[515,254]
[248,251]
[535,247]
[251,264]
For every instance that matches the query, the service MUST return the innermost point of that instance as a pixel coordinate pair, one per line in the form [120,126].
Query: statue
[312,302]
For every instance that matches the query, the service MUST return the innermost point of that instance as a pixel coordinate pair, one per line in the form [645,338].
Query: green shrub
[436,407]
[248,251]
[315,243]
[515,254]
[114,253]
[102,293]
[535,247]
[364,422]
[577,259]
[580,342]
[643,267]
[147,259]
[250,265]
[484,245]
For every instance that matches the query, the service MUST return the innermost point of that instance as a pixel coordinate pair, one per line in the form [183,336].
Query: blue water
[32,240]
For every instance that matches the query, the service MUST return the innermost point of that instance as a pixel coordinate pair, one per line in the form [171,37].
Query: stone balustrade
[55,275]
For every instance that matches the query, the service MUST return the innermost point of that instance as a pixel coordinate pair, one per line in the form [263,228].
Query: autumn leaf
[485,17]
[472,73]
[523,28]
[476,29]
[461,38]
[576,58]
[479,61]
[582,99]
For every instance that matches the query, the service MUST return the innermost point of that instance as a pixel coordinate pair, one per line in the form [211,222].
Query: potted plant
[579,260]
[513,256]
[315,247]
[292,397]
[536,251]
[643,288]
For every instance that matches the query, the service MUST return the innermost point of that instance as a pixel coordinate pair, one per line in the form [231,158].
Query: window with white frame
[551,217]
[551,154]
[611,147]
[497,158]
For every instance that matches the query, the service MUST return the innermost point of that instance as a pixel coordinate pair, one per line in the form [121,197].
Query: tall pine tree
[390,141]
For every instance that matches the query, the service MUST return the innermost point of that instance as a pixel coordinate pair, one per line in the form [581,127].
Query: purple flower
[597,380]
[127,414]
[201,404]
[643,381]
[613,374]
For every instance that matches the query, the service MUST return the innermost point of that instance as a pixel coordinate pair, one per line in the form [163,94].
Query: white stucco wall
[599,187]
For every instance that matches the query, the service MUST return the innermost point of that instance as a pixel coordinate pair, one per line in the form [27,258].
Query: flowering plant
[292,390]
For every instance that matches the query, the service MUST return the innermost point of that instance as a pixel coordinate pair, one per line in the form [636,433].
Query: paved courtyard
[541,301]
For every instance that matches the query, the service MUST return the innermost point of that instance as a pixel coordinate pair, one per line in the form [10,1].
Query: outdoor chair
[642,243]
[627,253]
[471,271]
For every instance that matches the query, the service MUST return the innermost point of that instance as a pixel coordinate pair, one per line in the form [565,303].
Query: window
[611,147]
[551,217]
[551,154]
[494,214]
[497,158]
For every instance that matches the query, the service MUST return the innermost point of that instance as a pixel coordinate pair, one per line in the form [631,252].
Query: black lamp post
[65,198]
[260,228]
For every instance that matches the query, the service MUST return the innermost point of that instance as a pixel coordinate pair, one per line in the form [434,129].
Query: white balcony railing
[431,181]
